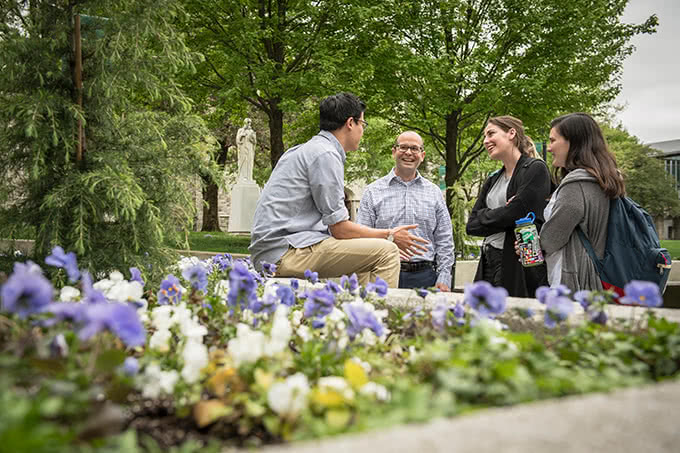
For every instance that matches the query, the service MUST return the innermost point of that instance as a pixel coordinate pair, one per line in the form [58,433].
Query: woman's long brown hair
[588,150]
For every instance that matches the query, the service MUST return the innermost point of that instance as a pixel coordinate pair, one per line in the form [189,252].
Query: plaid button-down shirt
[390,202]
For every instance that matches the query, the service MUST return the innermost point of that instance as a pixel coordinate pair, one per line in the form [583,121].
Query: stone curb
[629,420]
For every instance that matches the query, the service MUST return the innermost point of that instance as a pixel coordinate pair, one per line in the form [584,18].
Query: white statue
[245,142]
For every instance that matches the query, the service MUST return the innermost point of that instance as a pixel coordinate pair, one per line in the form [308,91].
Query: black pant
[492,269]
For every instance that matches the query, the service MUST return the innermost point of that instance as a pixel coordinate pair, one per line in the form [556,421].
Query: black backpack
[633,251]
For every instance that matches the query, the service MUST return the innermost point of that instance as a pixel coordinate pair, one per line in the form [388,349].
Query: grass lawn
[215,241]
[673,247]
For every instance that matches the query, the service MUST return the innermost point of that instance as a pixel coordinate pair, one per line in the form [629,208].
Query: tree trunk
[211,217]
[211,210]
[275,132]
[452,164]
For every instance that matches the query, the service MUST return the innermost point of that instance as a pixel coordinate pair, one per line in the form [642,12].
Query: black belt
[407,266]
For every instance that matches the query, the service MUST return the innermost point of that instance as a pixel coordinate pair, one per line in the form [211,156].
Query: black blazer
[530,185]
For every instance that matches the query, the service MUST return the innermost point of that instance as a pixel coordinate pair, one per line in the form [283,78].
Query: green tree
[647,182]
[98,138]
[271,55]
[444,67]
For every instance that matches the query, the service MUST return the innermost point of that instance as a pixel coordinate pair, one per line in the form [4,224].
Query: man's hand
[443,287]
[409,244]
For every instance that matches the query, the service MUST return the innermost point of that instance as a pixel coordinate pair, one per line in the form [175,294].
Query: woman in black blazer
[523,185]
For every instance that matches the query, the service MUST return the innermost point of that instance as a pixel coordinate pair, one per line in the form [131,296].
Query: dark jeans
[492,271]
[419,279]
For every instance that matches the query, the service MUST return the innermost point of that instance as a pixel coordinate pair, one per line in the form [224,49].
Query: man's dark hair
[334,110]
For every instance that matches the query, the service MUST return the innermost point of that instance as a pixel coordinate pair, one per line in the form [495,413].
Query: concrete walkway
[630,420]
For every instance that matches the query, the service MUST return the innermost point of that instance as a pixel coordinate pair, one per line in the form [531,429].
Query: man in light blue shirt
[404,197]
[301,221]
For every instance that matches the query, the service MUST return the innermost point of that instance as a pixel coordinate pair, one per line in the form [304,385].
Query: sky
[651,75]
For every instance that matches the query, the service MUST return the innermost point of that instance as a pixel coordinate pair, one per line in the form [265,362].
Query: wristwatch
[390,236]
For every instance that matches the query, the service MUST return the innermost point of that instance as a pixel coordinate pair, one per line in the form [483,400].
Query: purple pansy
[286,295]
[312,276]
[350,283]
[543,292]
[557,309]
[170,292]
[459,310]
[361,318]
[130,366]
[295,284]
[440,315]
[91,295]
[25,292]
[318,303]
[119,318]
[485,299]
[583,297]
[268,269]
[379,287]
[333,287]
[242,286]
[198,276]
[66,261]
[643,293]
[136,275]
[222,261]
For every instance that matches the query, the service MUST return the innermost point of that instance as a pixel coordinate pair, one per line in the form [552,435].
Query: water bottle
[526,234]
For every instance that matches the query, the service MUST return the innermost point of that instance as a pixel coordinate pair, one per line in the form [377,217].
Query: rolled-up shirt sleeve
[326,181]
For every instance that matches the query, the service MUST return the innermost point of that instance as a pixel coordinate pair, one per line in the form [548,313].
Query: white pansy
[336,315]
[69,294]
[343,341]
[248,346]
[365,365]
[116,276]
[412,354]
[247,316]
[377,391]
[161,317]
[189,261]
[124,291]
[270,288]
[296,317]
[222,290]
[154,381]
[339,384]
[289,398]
[305,333]
[195,357]
[160,340]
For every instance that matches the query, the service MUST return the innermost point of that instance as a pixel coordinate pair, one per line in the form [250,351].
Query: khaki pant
[369,258]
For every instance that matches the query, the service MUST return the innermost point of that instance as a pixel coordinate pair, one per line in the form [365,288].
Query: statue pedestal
[244,196]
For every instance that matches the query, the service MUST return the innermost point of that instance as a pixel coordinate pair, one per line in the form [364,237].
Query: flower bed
[221,353]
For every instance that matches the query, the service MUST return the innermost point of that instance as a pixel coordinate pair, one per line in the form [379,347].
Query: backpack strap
[589,248]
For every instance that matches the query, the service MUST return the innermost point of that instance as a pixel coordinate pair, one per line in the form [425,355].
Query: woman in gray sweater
[589,179]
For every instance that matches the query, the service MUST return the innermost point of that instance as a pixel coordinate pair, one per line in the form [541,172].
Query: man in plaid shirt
[405,197]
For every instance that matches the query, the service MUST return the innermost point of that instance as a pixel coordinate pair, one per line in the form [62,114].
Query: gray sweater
[580,202]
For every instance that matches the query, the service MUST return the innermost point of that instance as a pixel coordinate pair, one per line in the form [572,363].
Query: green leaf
[109,360]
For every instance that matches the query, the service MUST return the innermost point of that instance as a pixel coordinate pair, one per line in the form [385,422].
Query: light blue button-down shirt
[391,202]
[304,195]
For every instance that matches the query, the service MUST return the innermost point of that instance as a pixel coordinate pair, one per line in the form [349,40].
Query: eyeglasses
[364,123]
[414,149]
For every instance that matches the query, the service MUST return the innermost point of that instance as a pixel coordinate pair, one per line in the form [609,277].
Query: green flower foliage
[128,191]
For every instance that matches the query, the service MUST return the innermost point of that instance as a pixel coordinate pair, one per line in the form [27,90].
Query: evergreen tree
[99,141]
